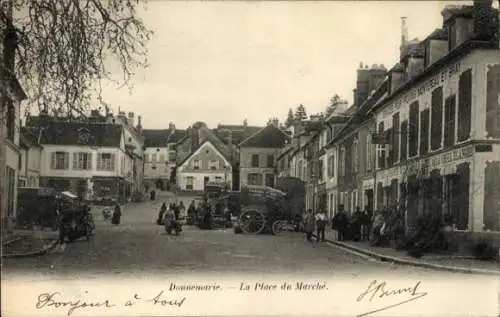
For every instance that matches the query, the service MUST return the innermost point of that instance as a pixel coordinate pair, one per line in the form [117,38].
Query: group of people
[172,213]
[356,227]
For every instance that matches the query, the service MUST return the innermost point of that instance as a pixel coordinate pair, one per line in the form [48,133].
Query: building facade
[11,95]
[160,155]
[258,156]
[205,164]
[30,158]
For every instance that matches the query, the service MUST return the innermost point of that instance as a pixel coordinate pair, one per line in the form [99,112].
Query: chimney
[362,85]
[485,20]
[131,118]
[404,36]
[139,124]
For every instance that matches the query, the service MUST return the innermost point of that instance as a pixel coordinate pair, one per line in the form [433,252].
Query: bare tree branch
[65,49]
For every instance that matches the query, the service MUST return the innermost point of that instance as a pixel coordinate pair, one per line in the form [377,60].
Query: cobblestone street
[139,247]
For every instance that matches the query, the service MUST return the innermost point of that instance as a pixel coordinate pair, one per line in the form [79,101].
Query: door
[206,179]
[369,200]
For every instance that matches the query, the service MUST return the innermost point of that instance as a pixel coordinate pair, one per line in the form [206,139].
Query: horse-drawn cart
[261,207]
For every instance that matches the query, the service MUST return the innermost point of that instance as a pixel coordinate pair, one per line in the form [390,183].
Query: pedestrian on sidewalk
[357,220]
[320,226]
[309,224]
[339,223]
[366,222]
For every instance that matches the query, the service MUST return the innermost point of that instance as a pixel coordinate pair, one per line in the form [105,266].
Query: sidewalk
[451,262]
[21,243]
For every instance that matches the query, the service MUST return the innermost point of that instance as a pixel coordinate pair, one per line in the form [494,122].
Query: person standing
[320,226]
[117,214]
[182,211]
[339,223]
[163,209]
[366,224]
[357,222]
[309,224]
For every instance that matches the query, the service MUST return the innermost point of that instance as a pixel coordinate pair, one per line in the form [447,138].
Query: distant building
[160,155]
[97,158]
[258,154]
[206,164]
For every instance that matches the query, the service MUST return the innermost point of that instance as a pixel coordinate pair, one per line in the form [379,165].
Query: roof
[28,138]
[80,133]
[199,147]
[239,132]
[268,137]
[159,138]
[285,152]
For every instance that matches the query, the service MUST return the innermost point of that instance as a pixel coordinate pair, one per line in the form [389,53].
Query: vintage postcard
[250,158]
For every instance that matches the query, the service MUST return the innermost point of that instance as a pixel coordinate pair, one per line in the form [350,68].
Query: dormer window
[452,39]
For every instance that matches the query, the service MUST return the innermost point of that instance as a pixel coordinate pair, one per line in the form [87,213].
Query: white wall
[199,179]
[123,163]
[163,168]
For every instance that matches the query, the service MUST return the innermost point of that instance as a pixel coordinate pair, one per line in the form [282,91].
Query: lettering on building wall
[426,87]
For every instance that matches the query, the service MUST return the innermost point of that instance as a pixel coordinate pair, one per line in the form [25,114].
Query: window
[342,162]
[369,153]
[381,150]
[11,120]
[299,172]
[404,141]
[492,102]
[162,158]
[436,118]
[355,156]
[82,161]
[196,164]
[11,181]
[254,179]
[189,183]
[269,180]
[255,160]
[20,161]
[413,130]
[320,170]
[331,166]
[395,137]
[153,157]
[270,160]
[213,164]
[464,106]
[389,136]
[60,160]
[452,38]
[449,120]
[424,132]
[218,179]
[105,162]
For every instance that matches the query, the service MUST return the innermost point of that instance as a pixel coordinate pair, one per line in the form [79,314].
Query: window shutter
[66,160]
[75,160]
[89,165]
[53,160]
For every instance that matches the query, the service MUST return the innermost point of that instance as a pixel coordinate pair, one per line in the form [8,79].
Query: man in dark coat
[340,222]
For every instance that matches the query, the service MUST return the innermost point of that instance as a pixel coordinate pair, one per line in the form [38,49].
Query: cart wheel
[252,221]
[277,227]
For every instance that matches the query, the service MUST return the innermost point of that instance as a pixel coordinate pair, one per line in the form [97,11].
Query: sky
[224,62]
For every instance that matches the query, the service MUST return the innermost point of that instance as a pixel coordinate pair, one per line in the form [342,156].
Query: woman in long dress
[117,214]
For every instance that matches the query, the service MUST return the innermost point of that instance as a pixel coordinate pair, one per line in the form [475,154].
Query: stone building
[11,95]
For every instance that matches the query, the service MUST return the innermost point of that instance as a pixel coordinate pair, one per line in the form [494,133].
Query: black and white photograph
[250,158]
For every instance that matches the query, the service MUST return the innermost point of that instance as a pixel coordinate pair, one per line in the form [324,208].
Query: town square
[223,138]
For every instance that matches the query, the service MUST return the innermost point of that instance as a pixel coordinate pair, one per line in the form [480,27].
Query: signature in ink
[378,289]
[49,300]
